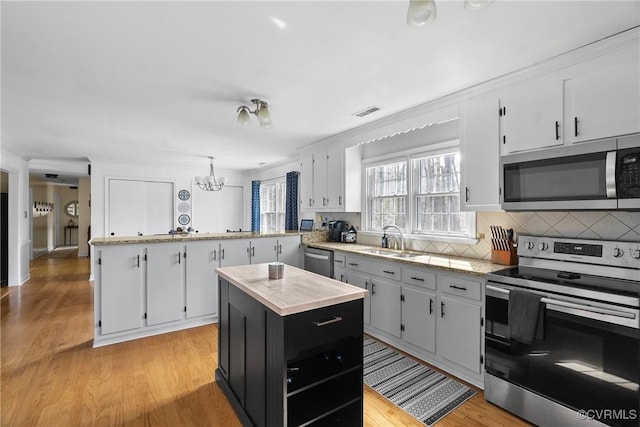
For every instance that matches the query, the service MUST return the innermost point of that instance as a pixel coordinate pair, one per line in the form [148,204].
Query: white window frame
[280,206]
[410,230]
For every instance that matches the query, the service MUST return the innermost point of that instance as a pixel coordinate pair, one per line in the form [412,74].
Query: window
[272,206]
[424,202]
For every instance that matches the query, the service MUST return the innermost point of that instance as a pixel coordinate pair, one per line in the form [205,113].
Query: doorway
[4,229]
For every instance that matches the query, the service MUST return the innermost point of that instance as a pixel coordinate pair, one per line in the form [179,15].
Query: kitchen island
[290,349]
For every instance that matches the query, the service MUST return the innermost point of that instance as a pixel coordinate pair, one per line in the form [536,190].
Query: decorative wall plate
[184,219]
[184,194]
[184,207]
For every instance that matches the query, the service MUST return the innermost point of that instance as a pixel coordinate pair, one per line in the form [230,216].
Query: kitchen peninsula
[290,349]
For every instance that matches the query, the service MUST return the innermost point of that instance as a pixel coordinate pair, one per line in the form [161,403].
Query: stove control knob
[617,252]
[531,245]
[543,246]
[635,253]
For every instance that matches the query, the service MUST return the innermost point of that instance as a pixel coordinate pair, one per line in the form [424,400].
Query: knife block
[504,257]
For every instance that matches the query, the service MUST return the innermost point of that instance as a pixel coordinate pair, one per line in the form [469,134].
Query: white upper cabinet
[479,154]
[330,179]
[532,115]
[604,102]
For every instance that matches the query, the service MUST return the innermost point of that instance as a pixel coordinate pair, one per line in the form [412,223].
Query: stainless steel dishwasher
[318,261]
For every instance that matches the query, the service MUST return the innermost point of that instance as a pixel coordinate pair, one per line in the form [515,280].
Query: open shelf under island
[290,349]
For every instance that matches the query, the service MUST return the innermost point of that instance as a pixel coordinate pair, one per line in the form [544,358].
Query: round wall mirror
[71,208]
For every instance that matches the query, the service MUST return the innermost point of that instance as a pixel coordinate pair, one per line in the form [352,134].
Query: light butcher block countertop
[184,237]
[455,264]
[296,292]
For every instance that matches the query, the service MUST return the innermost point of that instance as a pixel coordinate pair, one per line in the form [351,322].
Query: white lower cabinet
[119,288]
[433,315]
[165,292]
[201,279]
[143,290]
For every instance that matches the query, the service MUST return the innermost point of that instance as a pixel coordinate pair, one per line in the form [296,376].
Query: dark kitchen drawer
[311,329]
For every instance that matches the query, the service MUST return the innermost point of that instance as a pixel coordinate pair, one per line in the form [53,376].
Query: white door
[140,207]
[533,115]
[264,250]
[120,288]
[606,102]
[165,301]
[234,252]
[419,318]
[479,155]
[459,333]
[306,183]
[385,307]
[289,250]
[335,177]
[201,278]
[364,283]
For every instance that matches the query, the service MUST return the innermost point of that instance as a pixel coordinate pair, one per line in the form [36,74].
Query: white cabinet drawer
[462,287]
[389,270]
[419,277]
[339,261]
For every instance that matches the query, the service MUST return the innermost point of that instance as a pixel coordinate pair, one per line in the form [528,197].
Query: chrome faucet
[399,231]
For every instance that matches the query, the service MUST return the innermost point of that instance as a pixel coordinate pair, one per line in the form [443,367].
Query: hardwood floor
[51,375]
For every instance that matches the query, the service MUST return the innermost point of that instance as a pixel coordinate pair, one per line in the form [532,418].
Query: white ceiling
[161,81]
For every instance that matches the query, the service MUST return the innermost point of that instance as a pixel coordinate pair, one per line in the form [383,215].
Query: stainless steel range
[562,335]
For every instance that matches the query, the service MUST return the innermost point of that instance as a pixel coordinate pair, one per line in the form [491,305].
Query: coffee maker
[335,230]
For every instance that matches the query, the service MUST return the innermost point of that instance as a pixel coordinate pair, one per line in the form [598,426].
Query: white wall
[19,214]
[84,219]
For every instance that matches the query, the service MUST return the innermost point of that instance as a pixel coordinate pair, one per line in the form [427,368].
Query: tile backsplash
[606,225]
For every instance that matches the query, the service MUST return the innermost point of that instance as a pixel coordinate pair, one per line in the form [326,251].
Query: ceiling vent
[366,111]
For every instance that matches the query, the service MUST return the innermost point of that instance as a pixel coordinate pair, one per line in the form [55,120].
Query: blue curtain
[291,208]
[255,206]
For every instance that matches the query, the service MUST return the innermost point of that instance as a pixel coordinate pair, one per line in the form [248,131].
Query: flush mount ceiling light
[261,111]
[420,12]
[210,183]
[475,5]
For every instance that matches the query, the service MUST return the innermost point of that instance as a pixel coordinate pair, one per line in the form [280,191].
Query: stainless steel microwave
[602,175]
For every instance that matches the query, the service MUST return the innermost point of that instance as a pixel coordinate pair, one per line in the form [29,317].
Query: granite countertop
[298,290]
[184,237]
[473,266]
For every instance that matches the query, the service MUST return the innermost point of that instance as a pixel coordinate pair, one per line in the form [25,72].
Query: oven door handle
[566,304]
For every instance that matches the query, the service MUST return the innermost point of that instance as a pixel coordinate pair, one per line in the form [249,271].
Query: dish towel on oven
[526,316]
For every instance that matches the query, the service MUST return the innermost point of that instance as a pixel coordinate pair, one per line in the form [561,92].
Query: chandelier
[261,111]
[210,183]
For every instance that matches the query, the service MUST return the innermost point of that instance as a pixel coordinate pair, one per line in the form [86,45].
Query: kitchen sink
[389,253]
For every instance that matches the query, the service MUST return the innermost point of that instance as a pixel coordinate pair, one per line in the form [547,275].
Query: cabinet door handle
[310,202]
[461,288]
[366,285]
[557,130]
[339,200]
[222,254]
[179,257]
[466,193]
[138,261]
[441,309]
[214,255]
[253,251]
[324,201]
[420,279]
[280,249]
[430,305]
[388,272]
[373,288]
[575,126]
[328,322]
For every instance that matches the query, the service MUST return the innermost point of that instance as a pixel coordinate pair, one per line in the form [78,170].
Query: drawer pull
[353,264]
[389,272]
[328,322]
[461,288]
[339,261]
[420,279]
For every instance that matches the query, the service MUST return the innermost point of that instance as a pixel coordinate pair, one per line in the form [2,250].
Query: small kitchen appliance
[335,230]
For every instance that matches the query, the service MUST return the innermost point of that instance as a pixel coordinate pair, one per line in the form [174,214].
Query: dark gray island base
[298,369]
